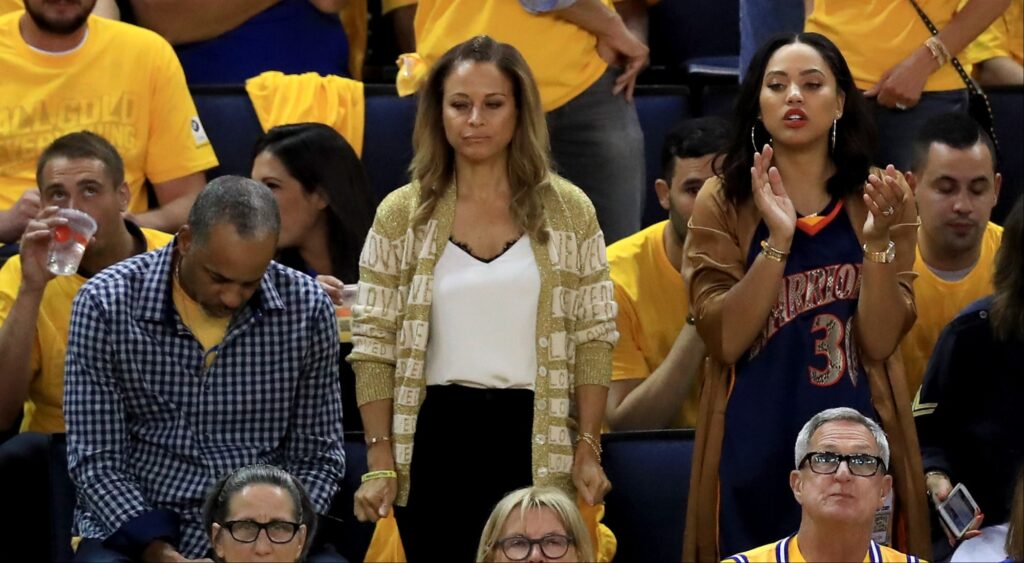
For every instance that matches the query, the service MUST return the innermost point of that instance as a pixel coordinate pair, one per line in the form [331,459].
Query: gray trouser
[897,128]
[597,144]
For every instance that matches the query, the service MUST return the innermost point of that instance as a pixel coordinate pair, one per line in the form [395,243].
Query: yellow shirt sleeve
[10,283]
[628,357]
[177,144]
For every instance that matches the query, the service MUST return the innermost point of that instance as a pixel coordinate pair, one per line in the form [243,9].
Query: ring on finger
[888,211]
[901,107]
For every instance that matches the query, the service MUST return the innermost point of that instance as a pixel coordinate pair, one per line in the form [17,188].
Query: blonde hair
[529,160]
[529,498]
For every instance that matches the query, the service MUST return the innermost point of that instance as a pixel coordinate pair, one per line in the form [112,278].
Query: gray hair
[246,204]
[803,440]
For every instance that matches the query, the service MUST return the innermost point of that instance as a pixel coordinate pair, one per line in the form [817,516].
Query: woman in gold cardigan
[485,321]
[799,261]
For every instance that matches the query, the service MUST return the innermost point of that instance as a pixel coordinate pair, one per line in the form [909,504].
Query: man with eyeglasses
[840,482]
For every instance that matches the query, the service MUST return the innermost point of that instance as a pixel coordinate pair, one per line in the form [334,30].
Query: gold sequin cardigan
[575,320]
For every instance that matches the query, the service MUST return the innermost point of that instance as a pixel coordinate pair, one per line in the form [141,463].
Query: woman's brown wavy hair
[529,152]
[1008,280]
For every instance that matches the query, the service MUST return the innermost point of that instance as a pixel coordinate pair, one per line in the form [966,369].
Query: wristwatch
[883,257]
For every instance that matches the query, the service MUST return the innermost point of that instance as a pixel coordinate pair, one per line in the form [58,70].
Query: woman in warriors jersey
[800,267]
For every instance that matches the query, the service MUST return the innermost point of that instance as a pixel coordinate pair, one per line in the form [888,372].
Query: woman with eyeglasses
[800,267]
[535,524]
[259,513]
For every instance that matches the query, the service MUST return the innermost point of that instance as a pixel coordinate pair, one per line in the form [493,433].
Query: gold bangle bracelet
[592,442]
[384,474]
[772,253]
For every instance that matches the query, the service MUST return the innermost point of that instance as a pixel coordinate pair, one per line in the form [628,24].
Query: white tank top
[483,319]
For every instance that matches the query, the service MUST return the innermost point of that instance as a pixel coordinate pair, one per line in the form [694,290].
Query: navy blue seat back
[387,140]
[701,37]
[1008,109]
[659,109]
[650,475]
[231,124]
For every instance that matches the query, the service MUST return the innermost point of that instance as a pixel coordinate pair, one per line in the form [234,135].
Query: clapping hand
[771,199]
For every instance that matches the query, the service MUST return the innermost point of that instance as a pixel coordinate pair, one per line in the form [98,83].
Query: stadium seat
[387,140]
[650,476]
[703,38]
[659,108]
[1008,109]
[231,124]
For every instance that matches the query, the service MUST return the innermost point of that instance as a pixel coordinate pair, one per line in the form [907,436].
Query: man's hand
[901,86]
[622,48]
[35,245]
[161,551]
[14,220]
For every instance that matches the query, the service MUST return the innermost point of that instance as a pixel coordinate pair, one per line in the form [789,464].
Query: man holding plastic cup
[81,181]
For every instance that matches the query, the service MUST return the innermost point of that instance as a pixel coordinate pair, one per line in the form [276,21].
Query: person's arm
[175,198]
[97,436]
[373,358]
[634,15]
[188,21]
[615,42]
[731,305]
[653,402]
[14,220]
[403,19]
[595,336]
[328,6]
[18,323]
[313,447]
[885,305]
[999,71]
[903,83]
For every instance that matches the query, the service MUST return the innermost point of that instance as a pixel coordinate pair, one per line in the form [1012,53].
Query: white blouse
[483,322]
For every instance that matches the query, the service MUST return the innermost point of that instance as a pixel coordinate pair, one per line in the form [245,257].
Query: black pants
[472,446]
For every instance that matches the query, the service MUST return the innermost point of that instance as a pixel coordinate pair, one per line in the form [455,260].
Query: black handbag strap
[972,86]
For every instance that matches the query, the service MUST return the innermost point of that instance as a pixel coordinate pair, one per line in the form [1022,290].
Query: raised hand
[35,244]
[885,198]
[771,199]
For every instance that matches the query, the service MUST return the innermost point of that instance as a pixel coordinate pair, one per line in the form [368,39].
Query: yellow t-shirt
[123,82]
[875,35]
[8,6]
[562,55]
[653,305]
[790,552]
[1004,38]
[939,301]
[44,409]
[206,329]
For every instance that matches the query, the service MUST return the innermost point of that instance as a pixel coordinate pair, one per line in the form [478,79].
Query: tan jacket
[575,320]
[716,250]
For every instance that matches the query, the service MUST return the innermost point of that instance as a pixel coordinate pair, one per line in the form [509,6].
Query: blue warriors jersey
[803,361]
[787,551]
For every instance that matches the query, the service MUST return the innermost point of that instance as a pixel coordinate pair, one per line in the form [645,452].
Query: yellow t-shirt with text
[562,55]
[44,409]
[875,35]
[124,83]
[653,304]
[939,302]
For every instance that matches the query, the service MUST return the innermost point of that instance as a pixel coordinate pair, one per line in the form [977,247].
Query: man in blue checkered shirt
[188,362]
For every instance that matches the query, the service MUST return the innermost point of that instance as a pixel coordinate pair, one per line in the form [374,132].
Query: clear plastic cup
[343,313]
[69,242]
